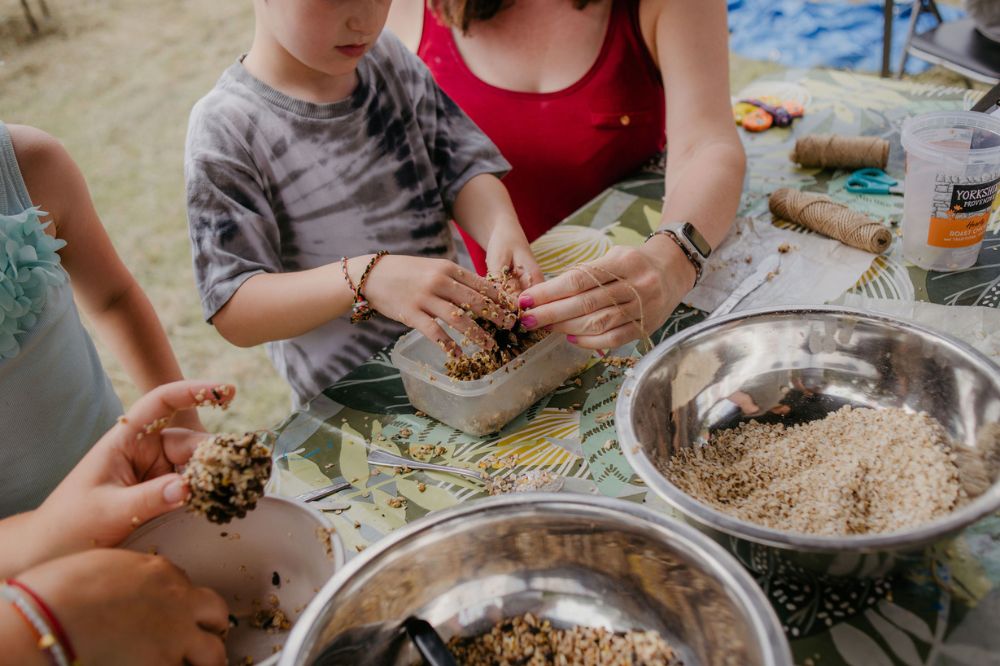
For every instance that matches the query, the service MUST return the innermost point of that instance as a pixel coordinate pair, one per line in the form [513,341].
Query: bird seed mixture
[270,618]
[527,641]
[227,475]
[857,471]
[510,343]
[534,480]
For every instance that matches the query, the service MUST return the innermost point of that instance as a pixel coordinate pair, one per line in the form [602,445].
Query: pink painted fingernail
[571,339]
[529,321]
[525,301]
[601,353]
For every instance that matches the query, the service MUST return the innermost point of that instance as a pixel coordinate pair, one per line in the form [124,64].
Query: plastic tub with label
[484,405]
[950,194]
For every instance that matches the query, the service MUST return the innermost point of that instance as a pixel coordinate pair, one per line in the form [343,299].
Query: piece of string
[823,215]
[647,342]
[843,152]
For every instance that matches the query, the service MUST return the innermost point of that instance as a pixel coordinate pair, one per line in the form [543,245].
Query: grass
[115,80]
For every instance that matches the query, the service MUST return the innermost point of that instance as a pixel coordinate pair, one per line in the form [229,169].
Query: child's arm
[106,290]
[468,168]
[484,209]
[413,290]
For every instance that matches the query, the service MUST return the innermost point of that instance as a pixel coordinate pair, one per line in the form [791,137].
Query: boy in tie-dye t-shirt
[331,141]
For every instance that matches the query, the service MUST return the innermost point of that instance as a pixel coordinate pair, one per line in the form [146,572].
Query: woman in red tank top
[572,93]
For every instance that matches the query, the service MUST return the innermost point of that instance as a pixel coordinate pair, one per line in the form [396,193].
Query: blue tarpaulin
[844,35]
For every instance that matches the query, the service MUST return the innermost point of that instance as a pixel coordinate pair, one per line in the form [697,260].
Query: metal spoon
[382,458]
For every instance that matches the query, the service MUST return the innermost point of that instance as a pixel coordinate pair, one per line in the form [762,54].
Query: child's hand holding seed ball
[126,479]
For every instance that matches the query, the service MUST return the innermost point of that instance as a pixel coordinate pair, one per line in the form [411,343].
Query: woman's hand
[120,607]
[417,291]
[625,295]
[126,479]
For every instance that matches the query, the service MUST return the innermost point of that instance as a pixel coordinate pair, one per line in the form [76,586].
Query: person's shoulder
[399,72]
[406,21]
[223,110]
[33,146]
[37,152]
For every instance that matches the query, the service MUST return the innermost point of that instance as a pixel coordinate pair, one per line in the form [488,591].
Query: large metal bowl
[576,560]
[796,365]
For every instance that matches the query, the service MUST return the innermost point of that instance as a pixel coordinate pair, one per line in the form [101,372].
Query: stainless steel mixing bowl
[574,559]
[795,365]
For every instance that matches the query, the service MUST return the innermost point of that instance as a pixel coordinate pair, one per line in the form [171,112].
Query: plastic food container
[952,174]
[484,405]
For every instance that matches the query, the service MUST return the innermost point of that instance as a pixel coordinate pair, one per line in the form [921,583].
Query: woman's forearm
[703,187]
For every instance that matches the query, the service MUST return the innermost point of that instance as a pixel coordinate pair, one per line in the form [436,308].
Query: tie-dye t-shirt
[276,184]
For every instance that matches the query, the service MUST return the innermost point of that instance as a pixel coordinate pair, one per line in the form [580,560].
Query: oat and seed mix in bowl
[856,471]
[528,641]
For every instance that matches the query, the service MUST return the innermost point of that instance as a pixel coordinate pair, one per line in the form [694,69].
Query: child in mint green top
[55,398]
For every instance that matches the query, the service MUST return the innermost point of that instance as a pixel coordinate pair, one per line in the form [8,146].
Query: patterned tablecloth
[945,613]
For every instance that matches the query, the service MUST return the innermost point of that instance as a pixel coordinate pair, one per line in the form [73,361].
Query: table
[947,612]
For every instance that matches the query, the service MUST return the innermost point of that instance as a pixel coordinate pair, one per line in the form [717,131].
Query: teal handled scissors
[873,181]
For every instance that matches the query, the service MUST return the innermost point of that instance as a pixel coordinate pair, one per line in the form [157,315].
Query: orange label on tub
[957,231]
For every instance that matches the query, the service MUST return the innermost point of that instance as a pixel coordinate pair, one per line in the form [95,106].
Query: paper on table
[815,269]
[978,326]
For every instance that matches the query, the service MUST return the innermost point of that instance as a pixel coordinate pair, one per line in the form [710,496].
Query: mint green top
[55,398]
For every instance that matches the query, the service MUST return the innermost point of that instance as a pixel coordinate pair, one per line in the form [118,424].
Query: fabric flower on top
[29,267]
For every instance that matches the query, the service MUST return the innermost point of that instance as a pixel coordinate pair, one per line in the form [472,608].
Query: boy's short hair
[461,13]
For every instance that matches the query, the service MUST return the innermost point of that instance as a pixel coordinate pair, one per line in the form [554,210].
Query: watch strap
[691,255]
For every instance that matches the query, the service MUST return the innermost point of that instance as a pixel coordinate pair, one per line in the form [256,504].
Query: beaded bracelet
[693,260]
[361,310]
[45,636]
[53,621]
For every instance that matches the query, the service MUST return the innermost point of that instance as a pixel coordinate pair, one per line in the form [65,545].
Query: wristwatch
[690,241]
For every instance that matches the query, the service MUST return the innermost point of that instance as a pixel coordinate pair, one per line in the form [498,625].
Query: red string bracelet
[54,623]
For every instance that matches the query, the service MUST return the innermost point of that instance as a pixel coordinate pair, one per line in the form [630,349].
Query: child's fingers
[530,275]
[427,325]
[144,501]
[179,444]
[495,264]
[461,322]
[461,295]
[150,413]
[477,284]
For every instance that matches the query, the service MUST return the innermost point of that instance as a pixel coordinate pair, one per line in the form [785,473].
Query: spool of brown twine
[844,152]
[821,214]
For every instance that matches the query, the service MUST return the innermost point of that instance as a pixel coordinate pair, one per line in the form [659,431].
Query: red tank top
[565,146]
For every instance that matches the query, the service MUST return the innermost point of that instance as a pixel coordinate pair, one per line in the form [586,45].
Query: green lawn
[114,80]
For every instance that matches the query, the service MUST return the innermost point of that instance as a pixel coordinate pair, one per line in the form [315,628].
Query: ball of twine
[843,152]
[821,214]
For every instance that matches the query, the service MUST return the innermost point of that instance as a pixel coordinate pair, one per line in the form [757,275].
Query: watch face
[699,242]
